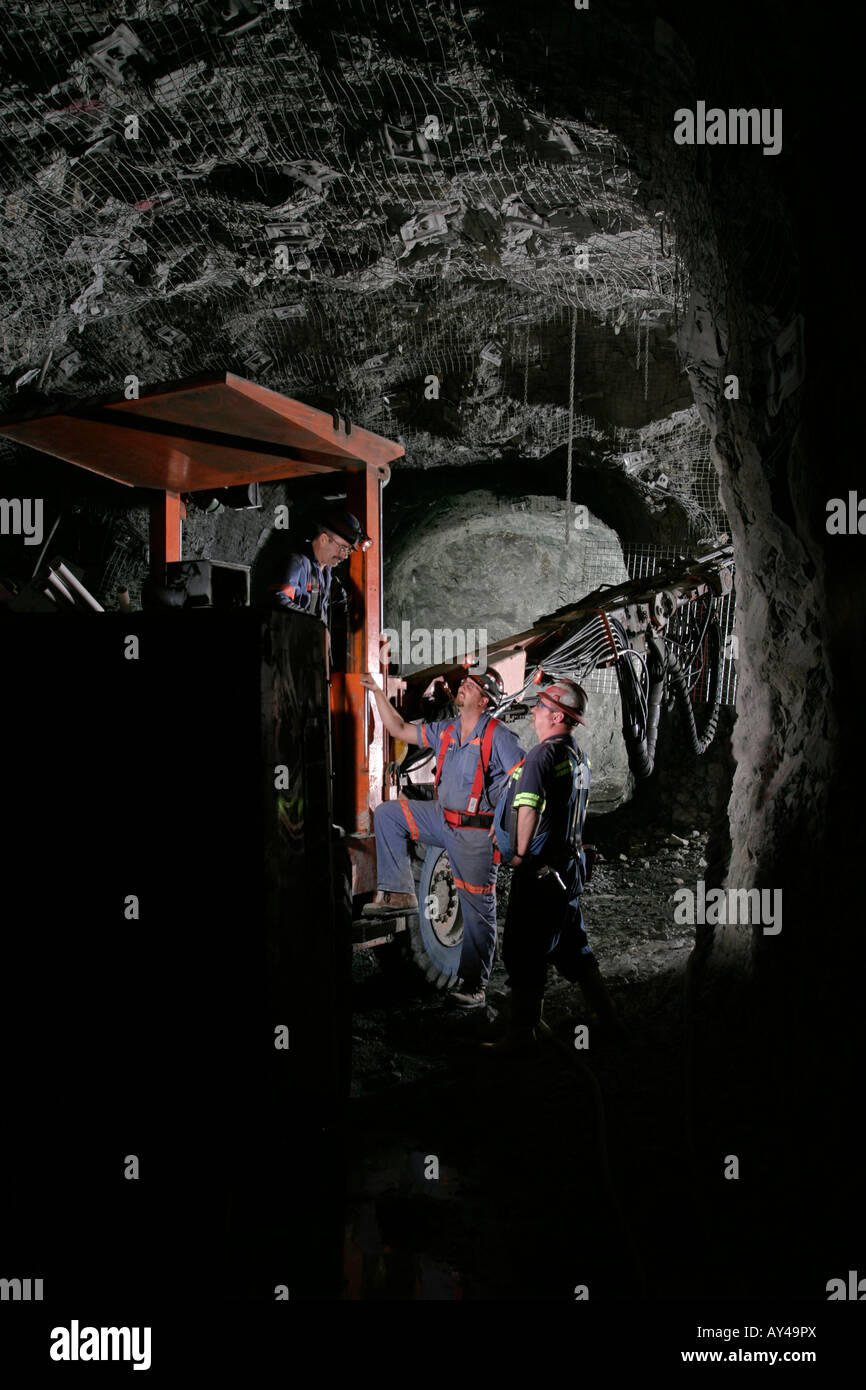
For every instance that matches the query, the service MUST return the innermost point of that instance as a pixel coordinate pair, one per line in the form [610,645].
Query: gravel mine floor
[628,913]
[552,1170]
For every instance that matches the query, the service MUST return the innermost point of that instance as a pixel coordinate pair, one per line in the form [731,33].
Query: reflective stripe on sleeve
[474,887]
[528,799]
[410,818]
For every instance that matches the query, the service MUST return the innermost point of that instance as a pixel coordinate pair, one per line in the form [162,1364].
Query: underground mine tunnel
[445,270]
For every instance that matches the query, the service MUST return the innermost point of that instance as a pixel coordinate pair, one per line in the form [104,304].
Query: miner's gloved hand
[590,855]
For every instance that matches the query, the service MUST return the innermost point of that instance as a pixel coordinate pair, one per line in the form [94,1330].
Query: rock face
[494,566]
[360,211]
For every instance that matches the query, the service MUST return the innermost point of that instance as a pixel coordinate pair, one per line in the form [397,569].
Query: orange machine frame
[220,431]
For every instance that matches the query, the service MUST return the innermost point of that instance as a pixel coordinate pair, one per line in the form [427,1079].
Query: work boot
[602,1010]
[527,1027]
[387,904]
[466,997]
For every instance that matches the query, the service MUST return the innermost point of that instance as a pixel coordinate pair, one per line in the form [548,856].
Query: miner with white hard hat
[539,829]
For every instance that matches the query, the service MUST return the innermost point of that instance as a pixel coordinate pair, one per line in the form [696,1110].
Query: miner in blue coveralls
[306,584]
[539,830]
[475,757]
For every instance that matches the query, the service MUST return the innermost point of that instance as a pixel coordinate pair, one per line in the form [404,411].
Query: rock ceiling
[353,203]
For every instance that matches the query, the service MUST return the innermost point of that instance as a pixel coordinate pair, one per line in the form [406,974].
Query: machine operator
[307,583]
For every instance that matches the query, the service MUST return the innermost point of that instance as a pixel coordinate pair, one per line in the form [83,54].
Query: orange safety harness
[471,817]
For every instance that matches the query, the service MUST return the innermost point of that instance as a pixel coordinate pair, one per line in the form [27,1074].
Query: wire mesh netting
[231,179]
[363,204]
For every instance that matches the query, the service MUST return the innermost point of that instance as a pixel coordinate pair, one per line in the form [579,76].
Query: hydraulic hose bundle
[671,664]
[700,743]
[642,697]
[641,717]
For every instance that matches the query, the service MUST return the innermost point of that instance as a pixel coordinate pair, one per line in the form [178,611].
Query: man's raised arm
[397,726]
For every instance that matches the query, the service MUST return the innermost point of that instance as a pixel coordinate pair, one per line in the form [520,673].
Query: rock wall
[484,562]
[685,793]
[775,1021]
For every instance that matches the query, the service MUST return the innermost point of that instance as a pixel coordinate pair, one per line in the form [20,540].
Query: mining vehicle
[188,802]
[663,639]
[210,435]
[178,976]
[188,799]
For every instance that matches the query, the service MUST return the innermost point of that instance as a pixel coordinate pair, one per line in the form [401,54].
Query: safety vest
[481,770]
[578,765]
[580,782]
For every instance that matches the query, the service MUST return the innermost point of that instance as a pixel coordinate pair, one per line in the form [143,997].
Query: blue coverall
[470,849]
[306,586]
[544,923]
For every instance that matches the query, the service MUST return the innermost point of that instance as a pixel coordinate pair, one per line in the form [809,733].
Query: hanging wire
[570,426]
[526,387]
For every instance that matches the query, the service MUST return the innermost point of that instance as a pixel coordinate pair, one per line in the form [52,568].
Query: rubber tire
[440,963]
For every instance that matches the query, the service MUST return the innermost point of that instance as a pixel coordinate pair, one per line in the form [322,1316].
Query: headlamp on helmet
[491,684]
[348,528]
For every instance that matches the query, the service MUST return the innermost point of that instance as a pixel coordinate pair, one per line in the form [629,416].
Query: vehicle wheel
[437,935]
